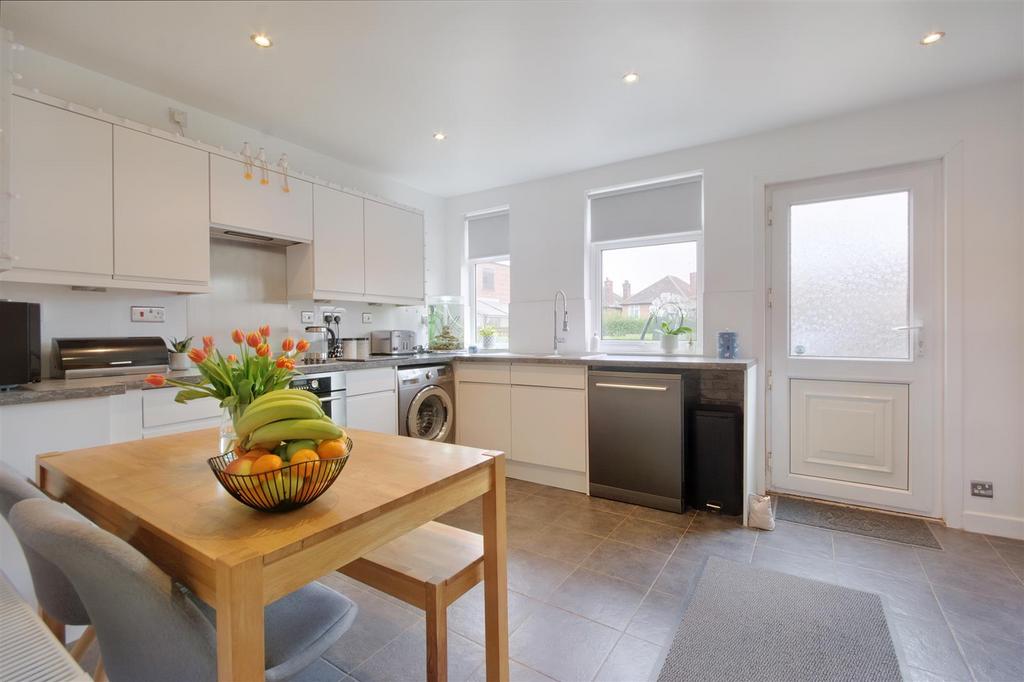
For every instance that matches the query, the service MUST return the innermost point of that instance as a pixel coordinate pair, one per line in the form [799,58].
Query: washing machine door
[431,414]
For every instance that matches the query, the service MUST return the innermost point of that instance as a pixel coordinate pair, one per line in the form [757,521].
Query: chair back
[53,591]
[147,627]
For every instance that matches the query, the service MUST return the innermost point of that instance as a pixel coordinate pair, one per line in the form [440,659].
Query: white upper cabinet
[61,179]
[332,266]
[394,252]
[161,209]
[248,206]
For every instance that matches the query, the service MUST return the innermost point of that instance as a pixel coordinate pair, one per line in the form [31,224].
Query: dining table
[159,495]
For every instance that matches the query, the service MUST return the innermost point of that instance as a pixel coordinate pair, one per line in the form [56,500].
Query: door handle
[907,327]
[633,387]
[918,337]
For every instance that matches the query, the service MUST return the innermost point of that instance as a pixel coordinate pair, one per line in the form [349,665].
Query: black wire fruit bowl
[290,487]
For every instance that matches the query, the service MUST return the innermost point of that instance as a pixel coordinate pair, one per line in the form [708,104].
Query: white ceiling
[524,89]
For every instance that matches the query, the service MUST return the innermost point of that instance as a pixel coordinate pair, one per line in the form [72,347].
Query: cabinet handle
[633,387]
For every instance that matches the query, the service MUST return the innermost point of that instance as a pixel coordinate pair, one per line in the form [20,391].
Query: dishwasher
[636,438]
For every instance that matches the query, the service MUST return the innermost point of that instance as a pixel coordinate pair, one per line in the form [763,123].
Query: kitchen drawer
[552,376]
[159,408]
[483,372]
[363,381]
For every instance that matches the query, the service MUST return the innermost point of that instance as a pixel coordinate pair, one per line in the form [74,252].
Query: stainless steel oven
[329,387]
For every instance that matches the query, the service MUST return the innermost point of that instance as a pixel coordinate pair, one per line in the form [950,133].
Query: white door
[373,412]
[855,337]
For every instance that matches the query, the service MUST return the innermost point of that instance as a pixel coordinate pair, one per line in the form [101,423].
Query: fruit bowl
[290,487]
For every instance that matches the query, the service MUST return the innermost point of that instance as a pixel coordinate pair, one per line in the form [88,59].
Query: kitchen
[609,325]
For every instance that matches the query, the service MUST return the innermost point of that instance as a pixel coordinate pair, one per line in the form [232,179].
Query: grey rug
[859,521]
[747,623]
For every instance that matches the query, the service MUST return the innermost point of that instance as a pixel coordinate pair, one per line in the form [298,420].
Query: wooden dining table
[159,495]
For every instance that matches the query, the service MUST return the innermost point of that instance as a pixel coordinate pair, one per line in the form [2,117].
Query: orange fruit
[241,466]
[309,468]
[333,448]
[256,453]
[265,465]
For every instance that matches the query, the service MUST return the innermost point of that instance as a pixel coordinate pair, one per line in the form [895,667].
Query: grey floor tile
[1012,552]
[991,658]
[405,659]
[990,578]
[928,645]
[521,486]
[320,671]
[535,575]
[466,615]
[589,520]
[619,560]
[521,531]
[517,672]
[797,538]
[679,576]
[738,547]
[610,506]
[901,596]
[601,598]
[724,526]
[631,660]
[564,544]
[681,521]
[656,537]
[562,495]
[888,557]
[657,618]
[538,508]
[805,566]
[983,615]
[912,674]
[562,645]
[379,622]
[969,546]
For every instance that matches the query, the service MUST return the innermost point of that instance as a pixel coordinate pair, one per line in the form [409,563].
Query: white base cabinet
[549,427]
[371,401]
[483,416]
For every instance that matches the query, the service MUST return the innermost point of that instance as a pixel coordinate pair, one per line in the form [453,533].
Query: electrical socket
[178,117]
[367,318]
[306,317]
[148,314]
[981,489]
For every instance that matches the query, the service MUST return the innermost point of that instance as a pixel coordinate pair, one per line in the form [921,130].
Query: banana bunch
[288,414]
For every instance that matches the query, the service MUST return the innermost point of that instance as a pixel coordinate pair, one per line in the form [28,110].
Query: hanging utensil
[247,161]
[282,163]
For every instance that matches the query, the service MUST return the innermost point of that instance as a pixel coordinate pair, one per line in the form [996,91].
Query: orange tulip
[265,331]
[238,336]
[207,343]
[232,358]
[282,362]
[254,339]
[196,355]
[302,346]
[263,350]
[156,380]
[288,344]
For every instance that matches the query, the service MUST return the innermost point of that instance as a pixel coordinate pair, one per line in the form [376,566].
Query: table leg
[496,576]
[437,631]
[240,635]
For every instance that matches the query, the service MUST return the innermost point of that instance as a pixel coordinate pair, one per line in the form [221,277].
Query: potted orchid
[239,378]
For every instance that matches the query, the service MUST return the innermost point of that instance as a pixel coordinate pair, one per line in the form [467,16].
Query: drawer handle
[633,387]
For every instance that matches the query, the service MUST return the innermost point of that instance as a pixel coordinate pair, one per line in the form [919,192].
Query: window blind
[646,211]
[488,235]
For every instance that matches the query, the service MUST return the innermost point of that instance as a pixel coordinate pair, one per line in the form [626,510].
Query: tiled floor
[596,589]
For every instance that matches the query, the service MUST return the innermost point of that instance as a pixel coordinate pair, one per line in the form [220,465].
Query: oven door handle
[332,398]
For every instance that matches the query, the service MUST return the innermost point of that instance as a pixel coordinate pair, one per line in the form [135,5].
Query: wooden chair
[429,568]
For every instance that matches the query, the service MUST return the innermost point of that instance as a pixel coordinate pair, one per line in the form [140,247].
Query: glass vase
[228,437]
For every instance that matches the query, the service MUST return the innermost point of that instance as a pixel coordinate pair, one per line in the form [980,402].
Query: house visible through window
[646,244]
[490,281]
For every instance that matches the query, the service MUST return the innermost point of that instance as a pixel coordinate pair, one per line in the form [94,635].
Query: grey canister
[727,345]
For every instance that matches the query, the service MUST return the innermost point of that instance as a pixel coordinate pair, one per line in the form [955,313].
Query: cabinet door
[337,241]
[483,416]
[236,202]
[291,212]
[62,182]
[373,412]
[161,209]
[394,251]
[549,426]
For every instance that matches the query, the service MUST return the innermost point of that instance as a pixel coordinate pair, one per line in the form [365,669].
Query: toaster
[393,342]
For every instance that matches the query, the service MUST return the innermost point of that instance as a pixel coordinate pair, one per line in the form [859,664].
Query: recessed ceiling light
[440,137]
[631,77]
[261,39]
[932,38]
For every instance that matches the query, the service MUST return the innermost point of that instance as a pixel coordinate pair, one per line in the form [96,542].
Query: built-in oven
[329,387]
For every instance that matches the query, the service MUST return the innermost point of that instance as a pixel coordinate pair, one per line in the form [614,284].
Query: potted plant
[487,335]
[670,336]
[178,349]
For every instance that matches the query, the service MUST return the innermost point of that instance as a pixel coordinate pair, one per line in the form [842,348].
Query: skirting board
[994,524]
[558,478]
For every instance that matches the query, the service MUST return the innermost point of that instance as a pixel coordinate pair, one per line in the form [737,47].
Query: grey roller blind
[646,211]
[488,235]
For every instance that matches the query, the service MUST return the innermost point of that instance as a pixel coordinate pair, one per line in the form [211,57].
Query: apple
[294,446]
[282,489]
[241,466]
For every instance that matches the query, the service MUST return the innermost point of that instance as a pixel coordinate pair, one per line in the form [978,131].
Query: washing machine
[426,403]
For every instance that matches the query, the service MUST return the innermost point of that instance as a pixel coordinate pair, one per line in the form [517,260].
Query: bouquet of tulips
[237,379]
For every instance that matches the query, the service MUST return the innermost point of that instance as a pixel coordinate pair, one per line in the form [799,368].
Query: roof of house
[668,284]
[615,302]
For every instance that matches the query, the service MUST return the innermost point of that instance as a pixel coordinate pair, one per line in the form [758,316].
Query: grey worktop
[69,389]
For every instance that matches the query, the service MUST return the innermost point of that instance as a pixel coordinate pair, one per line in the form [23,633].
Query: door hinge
[771,216]
[769,380]
[771,297]
[769,460]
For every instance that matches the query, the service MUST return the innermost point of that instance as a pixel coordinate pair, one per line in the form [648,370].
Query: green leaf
[186,394]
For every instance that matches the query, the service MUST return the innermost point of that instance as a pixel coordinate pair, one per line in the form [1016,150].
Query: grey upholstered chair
[151,629]
[57,598]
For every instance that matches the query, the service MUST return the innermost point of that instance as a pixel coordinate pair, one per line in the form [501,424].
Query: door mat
[858,521]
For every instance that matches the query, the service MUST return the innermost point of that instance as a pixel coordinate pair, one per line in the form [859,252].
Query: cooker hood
[236,235]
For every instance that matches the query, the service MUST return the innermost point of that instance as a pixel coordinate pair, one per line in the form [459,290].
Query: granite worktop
[95,387]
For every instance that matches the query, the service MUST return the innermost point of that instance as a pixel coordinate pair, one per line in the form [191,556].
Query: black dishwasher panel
[636,438]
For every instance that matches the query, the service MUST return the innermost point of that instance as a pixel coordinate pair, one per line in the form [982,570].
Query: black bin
[714,460]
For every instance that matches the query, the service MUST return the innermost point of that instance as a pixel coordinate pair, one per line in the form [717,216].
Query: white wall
[547,223]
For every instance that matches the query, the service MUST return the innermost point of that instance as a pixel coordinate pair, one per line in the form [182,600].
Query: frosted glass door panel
[849,278]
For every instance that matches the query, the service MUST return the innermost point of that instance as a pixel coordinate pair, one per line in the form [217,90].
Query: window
[490,278]
[646,264]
